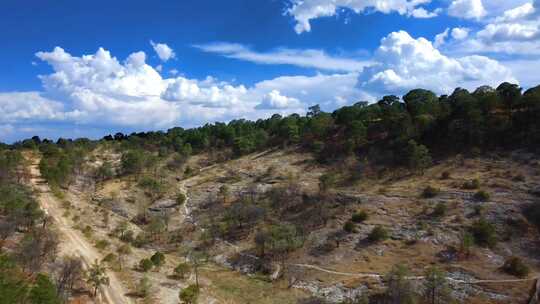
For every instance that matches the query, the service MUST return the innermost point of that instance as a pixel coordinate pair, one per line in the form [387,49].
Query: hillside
[335,265]
[429,200]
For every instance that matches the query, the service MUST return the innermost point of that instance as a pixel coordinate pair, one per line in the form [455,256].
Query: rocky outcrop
[163,205]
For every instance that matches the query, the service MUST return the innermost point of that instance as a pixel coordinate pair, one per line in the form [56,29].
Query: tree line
[420,123]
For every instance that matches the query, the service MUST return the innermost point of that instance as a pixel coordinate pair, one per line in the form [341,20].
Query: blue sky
[76,70]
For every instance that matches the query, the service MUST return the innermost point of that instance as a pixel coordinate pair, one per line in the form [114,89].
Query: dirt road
[73,242]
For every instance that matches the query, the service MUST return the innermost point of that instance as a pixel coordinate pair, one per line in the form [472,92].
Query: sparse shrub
[516,226]
[189,294]
[532,212]
[440,210]
[481,196]
[519,178]
[144,287]
[349,227]
[378,234]
[422,225]
[188,171]
[478,210]
[109,258]
[181,270]
[102,244]
[66,205]
[181,198]
[145,265]
[153,187]
[515,266]
[158,259]
[465,244]
[140,240]
[445,175]
[327,181]
[359,216]
[484,233]
[88,231]
[430,192]
[471,184]
[127,236]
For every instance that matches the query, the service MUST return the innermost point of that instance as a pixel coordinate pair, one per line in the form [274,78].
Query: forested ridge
[385,132]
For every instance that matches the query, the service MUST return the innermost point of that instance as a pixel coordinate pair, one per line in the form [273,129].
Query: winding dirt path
[73,242]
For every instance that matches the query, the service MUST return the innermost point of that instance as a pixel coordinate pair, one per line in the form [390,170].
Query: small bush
[378,234]
[440,210]
[181,198]
[471,184]
[127,236]
[88,231]
[349,227]
[141,240]
[481,196]
[109,258]
[145,265]
[430,192]
[445,175]
[484,233]
[158,259]
[189,294]
[478,210]
[465,244]
[519,178]
[359,216]
[102,244]
[181,270]
[515,266]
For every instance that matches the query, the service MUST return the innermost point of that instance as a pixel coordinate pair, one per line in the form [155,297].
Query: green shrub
[430,192]
[189,294]
[127,236]
[109,258]
[440,210]
[158,259]
[349,227]
[481,196]
[484,233]
[88,231]
[471,184]
[465,243]
[515,266]
[145,265]
[141,240]
[181,270]
[181,198]
[359,216]
[102,244]
[378,234]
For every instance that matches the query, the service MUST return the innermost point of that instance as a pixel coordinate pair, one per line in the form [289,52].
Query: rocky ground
[392,200]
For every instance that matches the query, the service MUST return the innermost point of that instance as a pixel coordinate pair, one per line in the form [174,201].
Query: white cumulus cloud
[515,31]
[460,33]
[163,51]
[405,63]
[467,9]
[274,100]
[304,11]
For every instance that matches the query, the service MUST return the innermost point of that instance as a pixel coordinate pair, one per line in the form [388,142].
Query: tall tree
[96,276]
